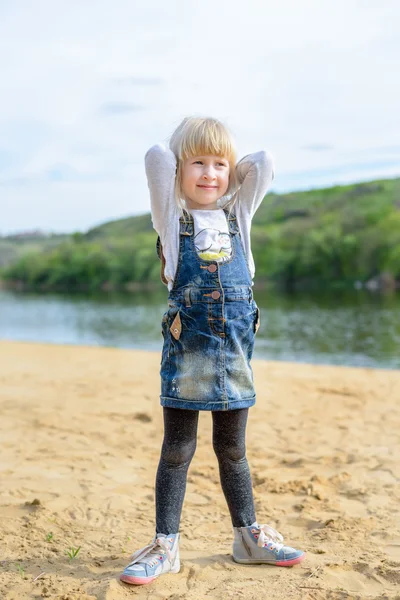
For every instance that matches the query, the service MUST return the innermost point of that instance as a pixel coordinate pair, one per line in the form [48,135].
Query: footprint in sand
[142,417]
[353,580]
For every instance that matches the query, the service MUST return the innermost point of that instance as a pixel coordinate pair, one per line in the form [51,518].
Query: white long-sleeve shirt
[255,174]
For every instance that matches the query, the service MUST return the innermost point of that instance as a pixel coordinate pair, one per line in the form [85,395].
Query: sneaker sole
[278,563]
[132,580]
[137,580]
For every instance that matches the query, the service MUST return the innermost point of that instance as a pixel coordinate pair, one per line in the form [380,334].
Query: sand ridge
[81,430]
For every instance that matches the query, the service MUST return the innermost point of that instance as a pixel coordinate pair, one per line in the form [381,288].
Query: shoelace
[268,535]
[148,554]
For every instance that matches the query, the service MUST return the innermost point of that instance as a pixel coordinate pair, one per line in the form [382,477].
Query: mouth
[208,187]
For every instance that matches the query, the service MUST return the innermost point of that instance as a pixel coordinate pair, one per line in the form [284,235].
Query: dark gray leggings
[179,445]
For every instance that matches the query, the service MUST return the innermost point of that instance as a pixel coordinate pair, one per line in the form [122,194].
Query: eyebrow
[220,158]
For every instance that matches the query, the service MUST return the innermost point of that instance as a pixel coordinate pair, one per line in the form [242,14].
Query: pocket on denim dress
[164,351]
[257,320]
[256,317]
[166,322]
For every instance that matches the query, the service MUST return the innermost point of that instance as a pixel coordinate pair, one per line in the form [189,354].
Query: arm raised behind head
[160,164]
[254,173]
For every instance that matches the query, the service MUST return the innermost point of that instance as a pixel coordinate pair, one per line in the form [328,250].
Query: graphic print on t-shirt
[213,244]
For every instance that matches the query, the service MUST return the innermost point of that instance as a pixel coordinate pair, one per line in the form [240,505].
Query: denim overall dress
[209,328]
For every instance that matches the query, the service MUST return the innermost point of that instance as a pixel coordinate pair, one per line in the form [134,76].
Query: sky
[88,86]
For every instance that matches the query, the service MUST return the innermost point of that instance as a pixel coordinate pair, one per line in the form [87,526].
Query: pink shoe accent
[137,580]
[290,563]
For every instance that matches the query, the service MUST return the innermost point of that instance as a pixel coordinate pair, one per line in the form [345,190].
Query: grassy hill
[14,246]
[320,238]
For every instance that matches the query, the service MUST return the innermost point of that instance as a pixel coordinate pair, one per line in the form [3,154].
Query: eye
[200,162]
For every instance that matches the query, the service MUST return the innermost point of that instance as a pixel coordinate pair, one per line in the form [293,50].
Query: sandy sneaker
[159,557]
[259,544]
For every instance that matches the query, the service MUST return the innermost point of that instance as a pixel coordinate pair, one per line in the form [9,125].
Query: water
[353,329]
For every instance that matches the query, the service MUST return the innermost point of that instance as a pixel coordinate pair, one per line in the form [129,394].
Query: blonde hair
[201,136]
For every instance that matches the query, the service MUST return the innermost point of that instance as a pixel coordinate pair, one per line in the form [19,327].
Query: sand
[81,430]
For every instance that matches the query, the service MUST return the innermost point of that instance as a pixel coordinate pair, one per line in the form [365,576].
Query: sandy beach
[81,430]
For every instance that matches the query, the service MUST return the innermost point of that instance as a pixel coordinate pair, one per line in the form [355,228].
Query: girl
[202,205]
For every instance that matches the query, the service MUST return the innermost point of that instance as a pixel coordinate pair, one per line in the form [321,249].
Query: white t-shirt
[211,234]
[255,174]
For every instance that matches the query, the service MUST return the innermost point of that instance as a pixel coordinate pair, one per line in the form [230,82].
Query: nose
[209,173]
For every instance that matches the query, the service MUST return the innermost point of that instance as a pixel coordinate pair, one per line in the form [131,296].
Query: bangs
[202,137]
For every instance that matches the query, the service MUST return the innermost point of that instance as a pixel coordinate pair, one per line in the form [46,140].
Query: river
[353,329]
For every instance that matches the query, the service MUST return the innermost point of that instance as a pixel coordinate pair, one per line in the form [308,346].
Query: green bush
[321,238]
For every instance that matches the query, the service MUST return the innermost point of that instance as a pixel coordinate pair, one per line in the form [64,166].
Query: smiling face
[204,180]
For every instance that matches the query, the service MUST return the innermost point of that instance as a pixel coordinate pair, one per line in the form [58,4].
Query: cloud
[87,88]
[138,81]
[121,108]
[318,147]
[389,149]
[6,160]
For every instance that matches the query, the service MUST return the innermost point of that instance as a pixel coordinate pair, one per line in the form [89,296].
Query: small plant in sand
[73,552]
[49,537]
[21,570]
[123,550]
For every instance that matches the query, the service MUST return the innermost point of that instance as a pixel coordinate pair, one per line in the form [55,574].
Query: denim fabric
[208,367]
